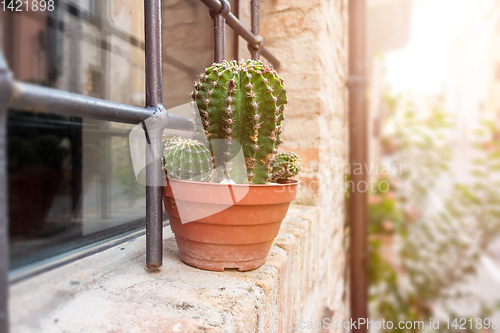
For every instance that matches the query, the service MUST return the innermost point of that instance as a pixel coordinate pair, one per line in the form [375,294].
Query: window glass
[70,179]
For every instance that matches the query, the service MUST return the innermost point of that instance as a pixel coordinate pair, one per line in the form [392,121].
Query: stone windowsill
[112,291]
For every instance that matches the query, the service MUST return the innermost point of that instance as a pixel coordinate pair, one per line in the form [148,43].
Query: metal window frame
[29,97]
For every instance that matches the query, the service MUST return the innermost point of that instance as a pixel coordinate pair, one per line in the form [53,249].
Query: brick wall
[310,39]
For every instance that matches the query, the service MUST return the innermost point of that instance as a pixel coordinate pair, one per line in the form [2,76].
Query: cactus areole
[243,103]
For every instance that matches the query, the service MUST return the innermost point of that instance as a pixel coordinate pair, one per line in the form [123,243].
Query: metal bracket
[255,49]
[224,10]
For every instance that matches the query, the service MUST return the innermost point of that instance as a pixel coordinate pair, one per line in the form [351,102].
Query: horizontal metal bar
[35,98]
[180,123]
[240,29]
[30,97]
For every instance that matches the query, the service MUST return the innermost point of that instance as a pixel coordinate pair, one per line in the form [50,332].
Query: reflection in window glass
[68,179]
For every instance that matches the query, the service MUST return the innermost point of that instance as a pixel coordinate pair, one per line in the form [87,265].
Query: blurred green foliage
[417,258]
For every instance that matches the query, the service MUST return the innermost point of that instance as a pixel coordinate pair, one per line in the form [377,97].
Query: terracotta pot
[220,226]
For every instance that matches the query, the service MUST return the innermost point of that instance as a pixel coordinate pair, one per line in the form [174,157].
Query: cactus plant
[242,104]
[285,165]
[187,159]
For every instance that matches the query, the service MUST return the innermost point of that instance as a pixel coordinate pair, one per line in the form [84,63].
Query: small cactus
[167,138]
[188,160]
[243,104]
[284,166]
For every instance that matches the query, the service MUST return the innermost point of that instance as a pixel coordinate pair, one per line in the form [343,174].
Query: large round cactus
[187,159]
[285,165]
[242,103]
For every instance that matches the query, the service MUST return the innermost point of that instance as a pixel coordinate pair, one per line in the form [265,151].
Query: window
[70,179]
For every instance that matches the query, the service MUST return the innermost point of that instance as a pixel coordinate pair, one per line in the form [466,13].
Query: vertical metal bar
[219,31]
[236,37]
[219,18]
[154,211]
[255,49]
[358,215]
[219,43]
[6,82]
[152,21]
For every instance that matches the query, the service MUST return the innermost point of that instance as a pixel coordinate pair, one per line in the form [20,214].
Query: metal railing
[29,97]
[254,40]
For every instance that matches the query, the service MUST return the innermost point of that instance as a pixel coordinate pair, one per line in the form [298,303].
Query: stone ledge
[112,292]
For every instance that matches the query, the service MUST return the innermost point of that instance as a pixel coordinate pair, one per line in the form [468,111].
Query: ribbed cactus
[242,103]
[187,159]
[285,165]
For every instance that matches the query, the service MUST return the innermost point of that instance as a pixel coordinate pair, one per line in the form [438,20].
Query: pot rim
[288,182]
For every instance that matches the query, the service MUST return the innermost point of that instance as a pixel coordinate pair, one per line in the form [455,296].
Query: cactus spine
[285,165]
[243,103]
[187,159]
